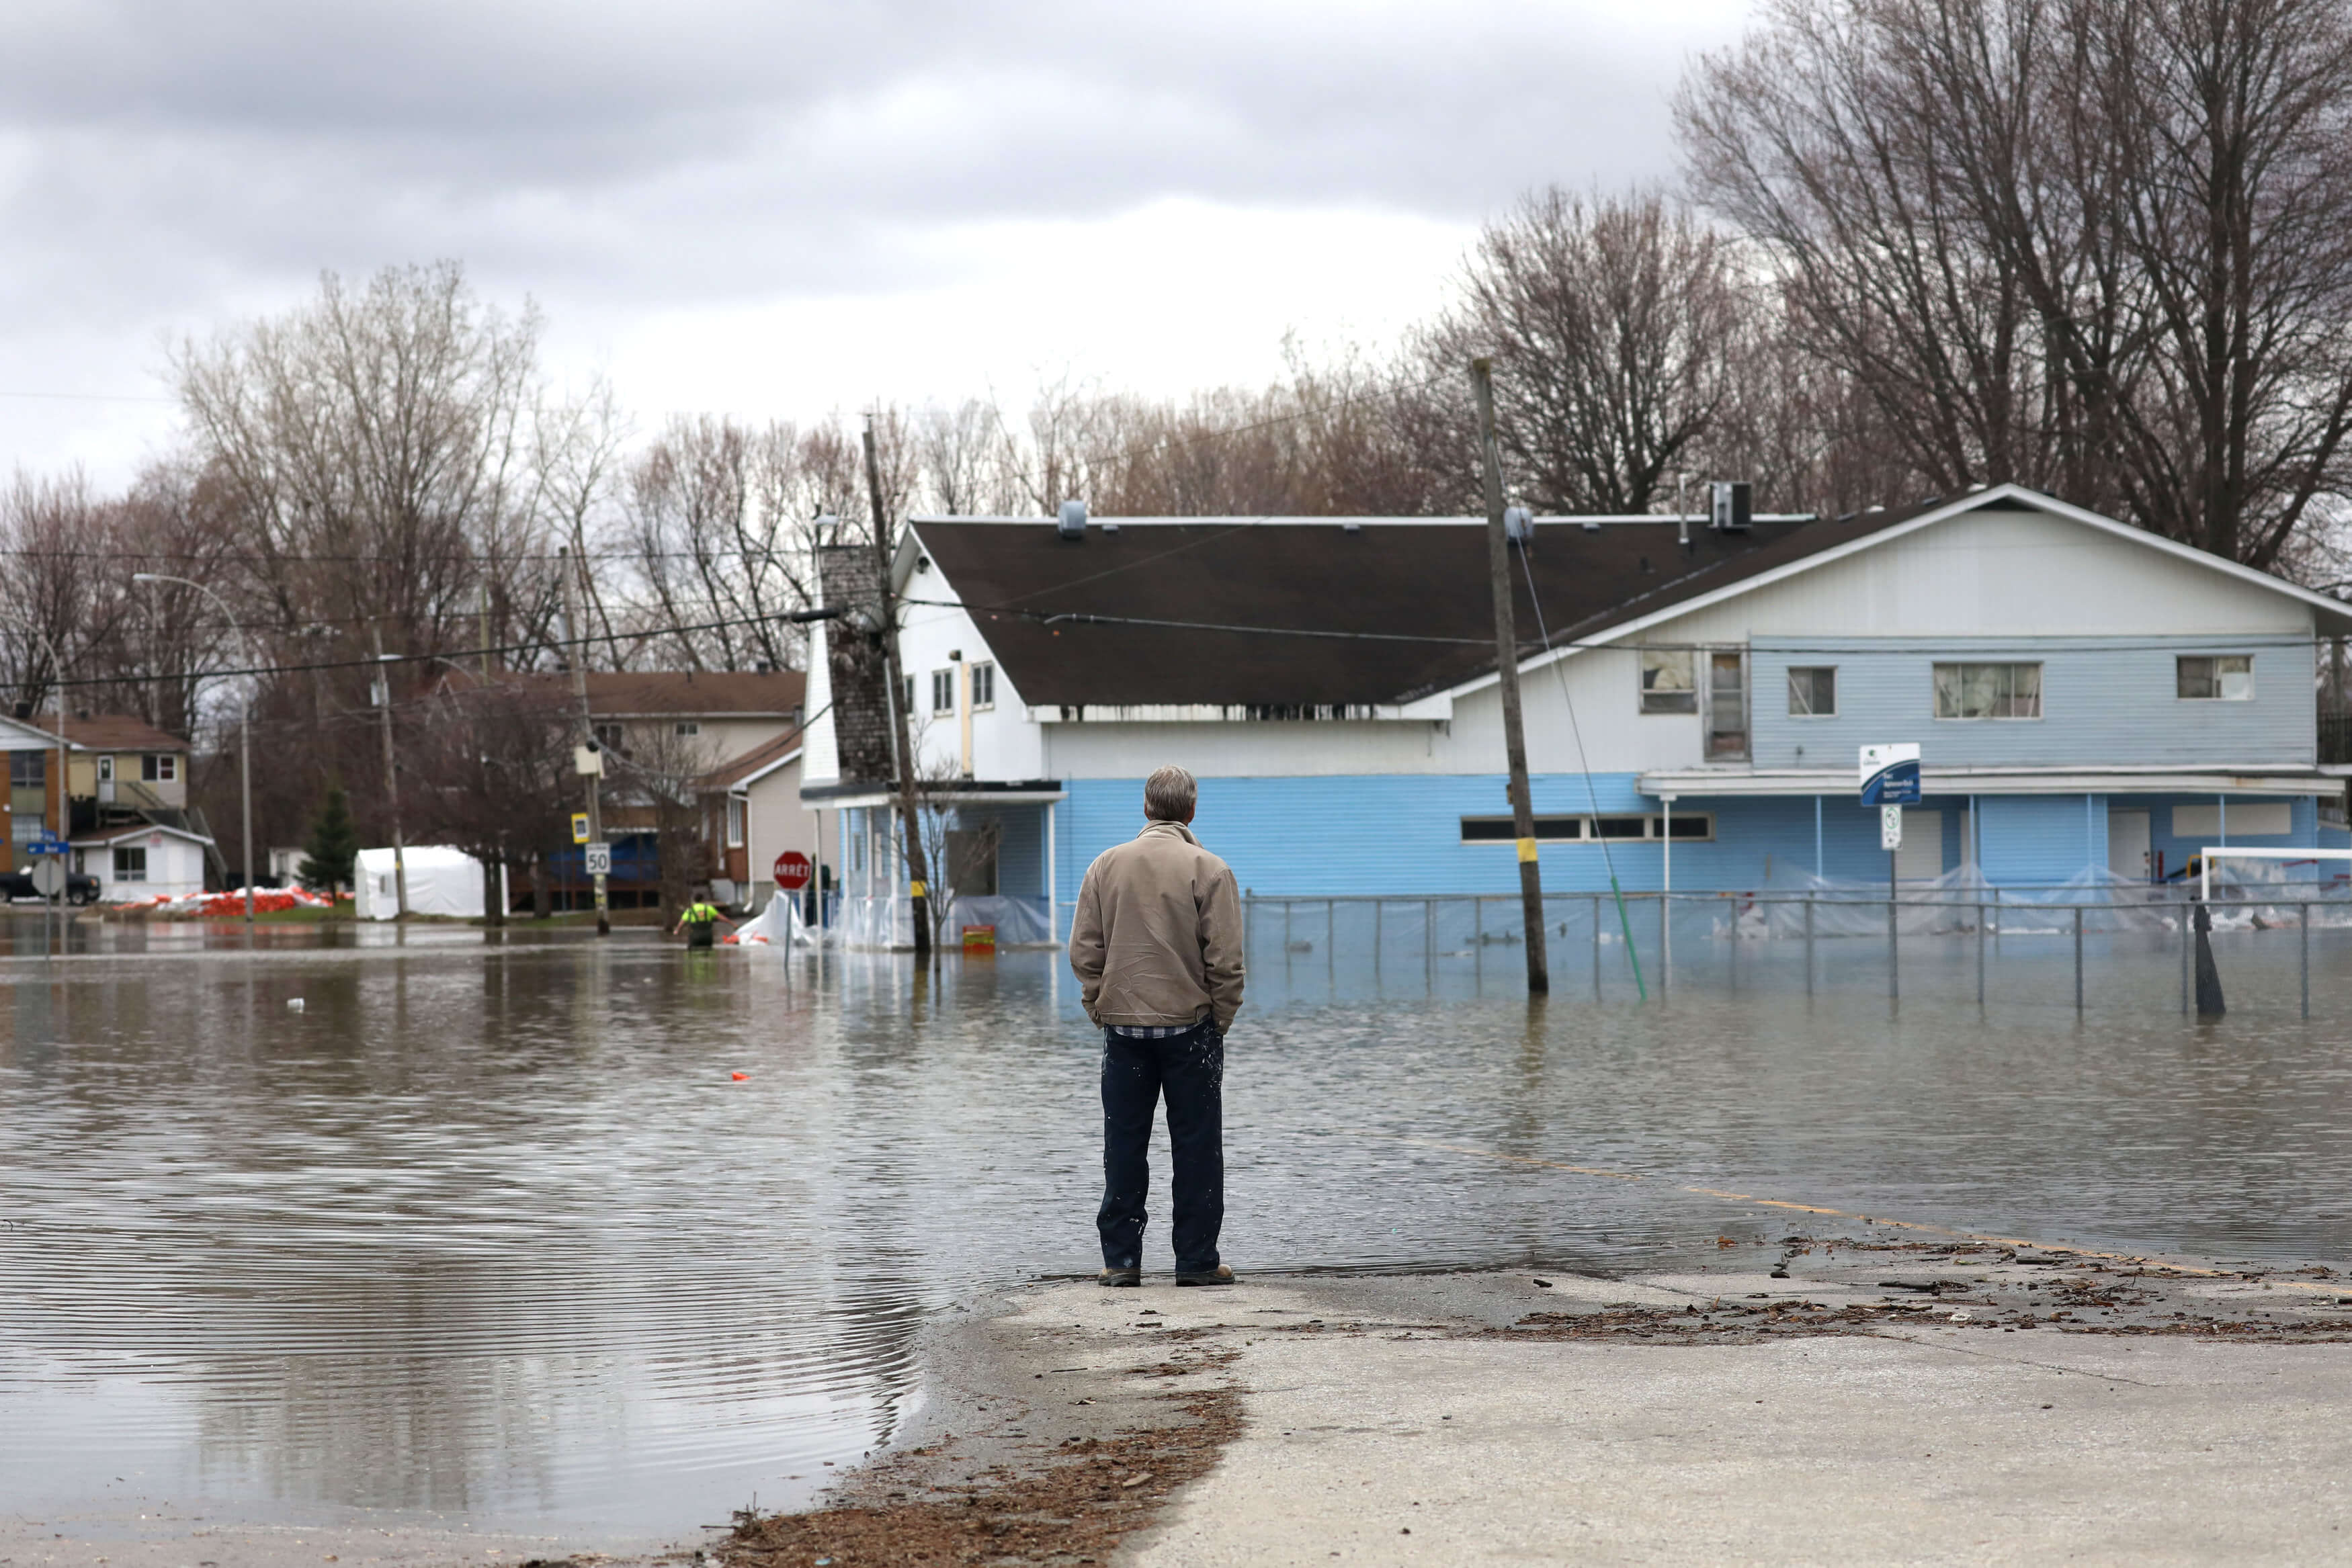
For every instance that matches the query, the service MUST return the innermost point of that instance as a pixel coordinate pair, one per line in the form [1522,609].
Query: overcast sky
[782,208]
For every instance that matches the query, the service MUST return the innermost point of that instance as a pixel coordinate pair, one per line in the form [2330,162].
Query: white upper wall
[1993,573]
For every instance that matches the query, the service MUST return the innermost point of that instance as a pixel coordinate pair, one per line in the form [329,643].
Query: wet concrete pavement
[2153,1414]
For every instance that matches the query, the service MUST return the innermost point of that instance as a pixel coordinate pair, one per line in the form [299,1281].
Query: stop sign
[792,870]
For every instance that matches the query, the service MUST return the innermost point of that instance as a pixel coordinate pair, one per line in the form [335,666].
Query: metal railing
[1440,929]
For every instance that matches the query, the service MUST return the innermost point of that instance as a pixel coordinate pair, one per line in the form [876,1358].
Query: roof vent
[1519,525]
[1072,524]
[1733,512]
[1591,524]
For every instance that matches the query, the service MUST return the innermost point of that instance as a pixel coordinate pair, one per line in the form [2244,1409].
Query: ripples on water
[490,1231]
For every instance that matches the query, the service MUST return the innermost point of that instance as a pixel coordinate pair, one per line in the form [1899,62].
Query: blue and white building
[2090,700]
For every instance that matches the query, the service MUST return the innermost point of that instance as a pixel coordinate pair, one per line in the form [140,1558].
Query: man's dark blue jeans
[1191,1068]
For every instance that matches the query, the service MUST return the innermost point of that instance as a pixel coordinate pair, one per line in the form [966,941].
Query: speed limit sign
[600,859]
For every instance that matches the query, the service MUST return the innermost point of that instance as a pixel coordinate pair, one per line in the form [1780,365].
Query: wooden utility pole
[577,652]
[391,772]
[1506,668]
[909,802]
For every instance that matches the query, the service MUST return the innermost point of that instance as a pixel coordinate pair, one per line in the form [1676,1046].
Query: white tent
[441,880]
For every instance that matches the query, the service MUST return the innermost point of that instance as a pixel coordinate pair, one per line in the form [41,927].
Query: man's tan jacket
[1158,935]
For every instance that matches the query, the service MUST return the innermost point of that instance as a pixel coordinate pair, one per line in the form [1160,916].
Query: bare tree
[1614,323]
[2103,246]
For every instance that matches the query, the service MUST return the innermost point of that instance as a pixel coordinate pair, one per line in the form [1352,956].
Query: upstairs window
[1812,691]
[943,692]
[1987,690]
[28,769]
[735,804]
[687,727]
[1668,684]
[159,767]
[984,685]
[2215,677]
[611,737]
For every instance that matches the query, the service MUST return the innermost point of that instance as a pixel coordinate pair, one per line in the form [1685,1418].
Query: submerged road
[588,1244]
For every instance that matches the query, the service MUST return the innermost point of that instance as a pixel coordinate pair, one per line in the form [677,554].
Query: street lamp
[244,722]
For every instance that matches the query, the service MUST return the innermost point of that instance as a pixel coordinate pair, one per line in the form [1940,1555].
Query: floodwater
[491,1230]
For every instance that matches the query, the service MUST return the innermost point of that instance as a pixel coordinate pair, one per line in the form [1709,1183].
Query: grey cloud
[274,135]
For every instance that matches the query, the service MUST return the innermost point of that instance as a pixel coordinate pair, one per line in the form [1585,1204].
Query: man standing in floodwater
[1157,945]
[699,917]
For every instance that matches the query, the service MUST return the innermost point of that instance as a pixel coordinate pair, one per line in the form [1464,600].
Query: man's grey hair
[1169,795]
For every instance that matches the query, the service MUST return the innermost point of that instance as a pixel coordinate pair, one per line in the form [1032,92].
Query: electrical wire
[1584,764]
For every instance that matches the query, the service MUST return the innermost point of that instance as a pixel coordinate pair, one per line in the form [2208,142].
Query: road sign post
[1890,781]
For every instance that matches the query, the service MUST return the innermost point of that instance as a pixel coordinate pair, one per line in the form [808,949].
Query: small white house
[142,860]
[441,880]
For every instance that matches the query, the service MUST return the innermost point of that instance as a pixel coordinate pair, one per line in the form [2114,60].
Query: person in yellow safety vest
[699,917]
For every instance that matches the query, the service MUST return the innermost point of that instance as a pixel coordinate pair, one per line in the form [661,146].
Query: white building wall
[820,746]
[1997,573]
[174,866]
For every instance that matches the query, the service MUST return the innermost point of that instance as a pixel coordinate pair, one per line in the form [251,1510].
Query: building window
[1699,826]
[2221,677]
[1812,691]
[1667,686]
[131,866]
[28,769]
[611,737]
[943,692]
[735,821]
[971,862]
[1987,690]
[906,697]
[984,685]
[1727,705]
[687,727]
[159,767]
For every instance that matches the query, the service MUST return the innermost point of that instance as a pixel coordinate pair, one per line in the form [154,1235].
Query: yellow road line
[2165,1264]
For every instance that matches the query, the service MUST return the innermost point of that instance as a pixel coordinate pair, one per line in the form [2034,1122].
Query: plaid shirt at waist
[1153,1031]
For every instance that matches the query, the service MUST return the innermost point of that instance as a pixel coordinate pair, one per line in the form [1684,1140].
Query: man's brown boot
[1220,1275]
[1119,1276]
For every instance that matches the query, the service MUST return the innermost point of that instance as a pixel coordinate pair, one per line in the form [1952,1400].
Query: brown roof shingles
[1390,611]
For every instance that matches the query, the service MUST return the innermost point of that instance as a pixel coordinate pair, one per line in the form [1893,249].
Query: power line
[536,645]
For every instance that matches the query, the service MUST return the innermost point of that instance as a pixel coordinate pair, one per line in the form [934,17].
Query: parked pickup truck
[80,887]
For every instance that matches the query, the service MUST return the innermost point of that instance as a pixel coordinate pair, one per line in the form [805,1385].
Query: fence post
[2306,960]
[1429,941]
[1331,937]
[1809,944]
[1286,931]
[1664,979]
[1893,953]
[2188,946]
[1980,951]
[1596,945]
[1380,908]
[2078,960]
[1478,939]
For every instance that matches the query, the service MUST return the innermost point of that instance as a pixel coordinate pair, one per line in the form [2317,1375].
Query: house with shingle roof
[2089,698]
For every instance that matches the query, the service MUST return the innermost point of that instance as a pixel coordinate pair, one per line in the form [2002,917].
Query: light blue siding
[2104,700]
[2042,838]
[2176,850]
